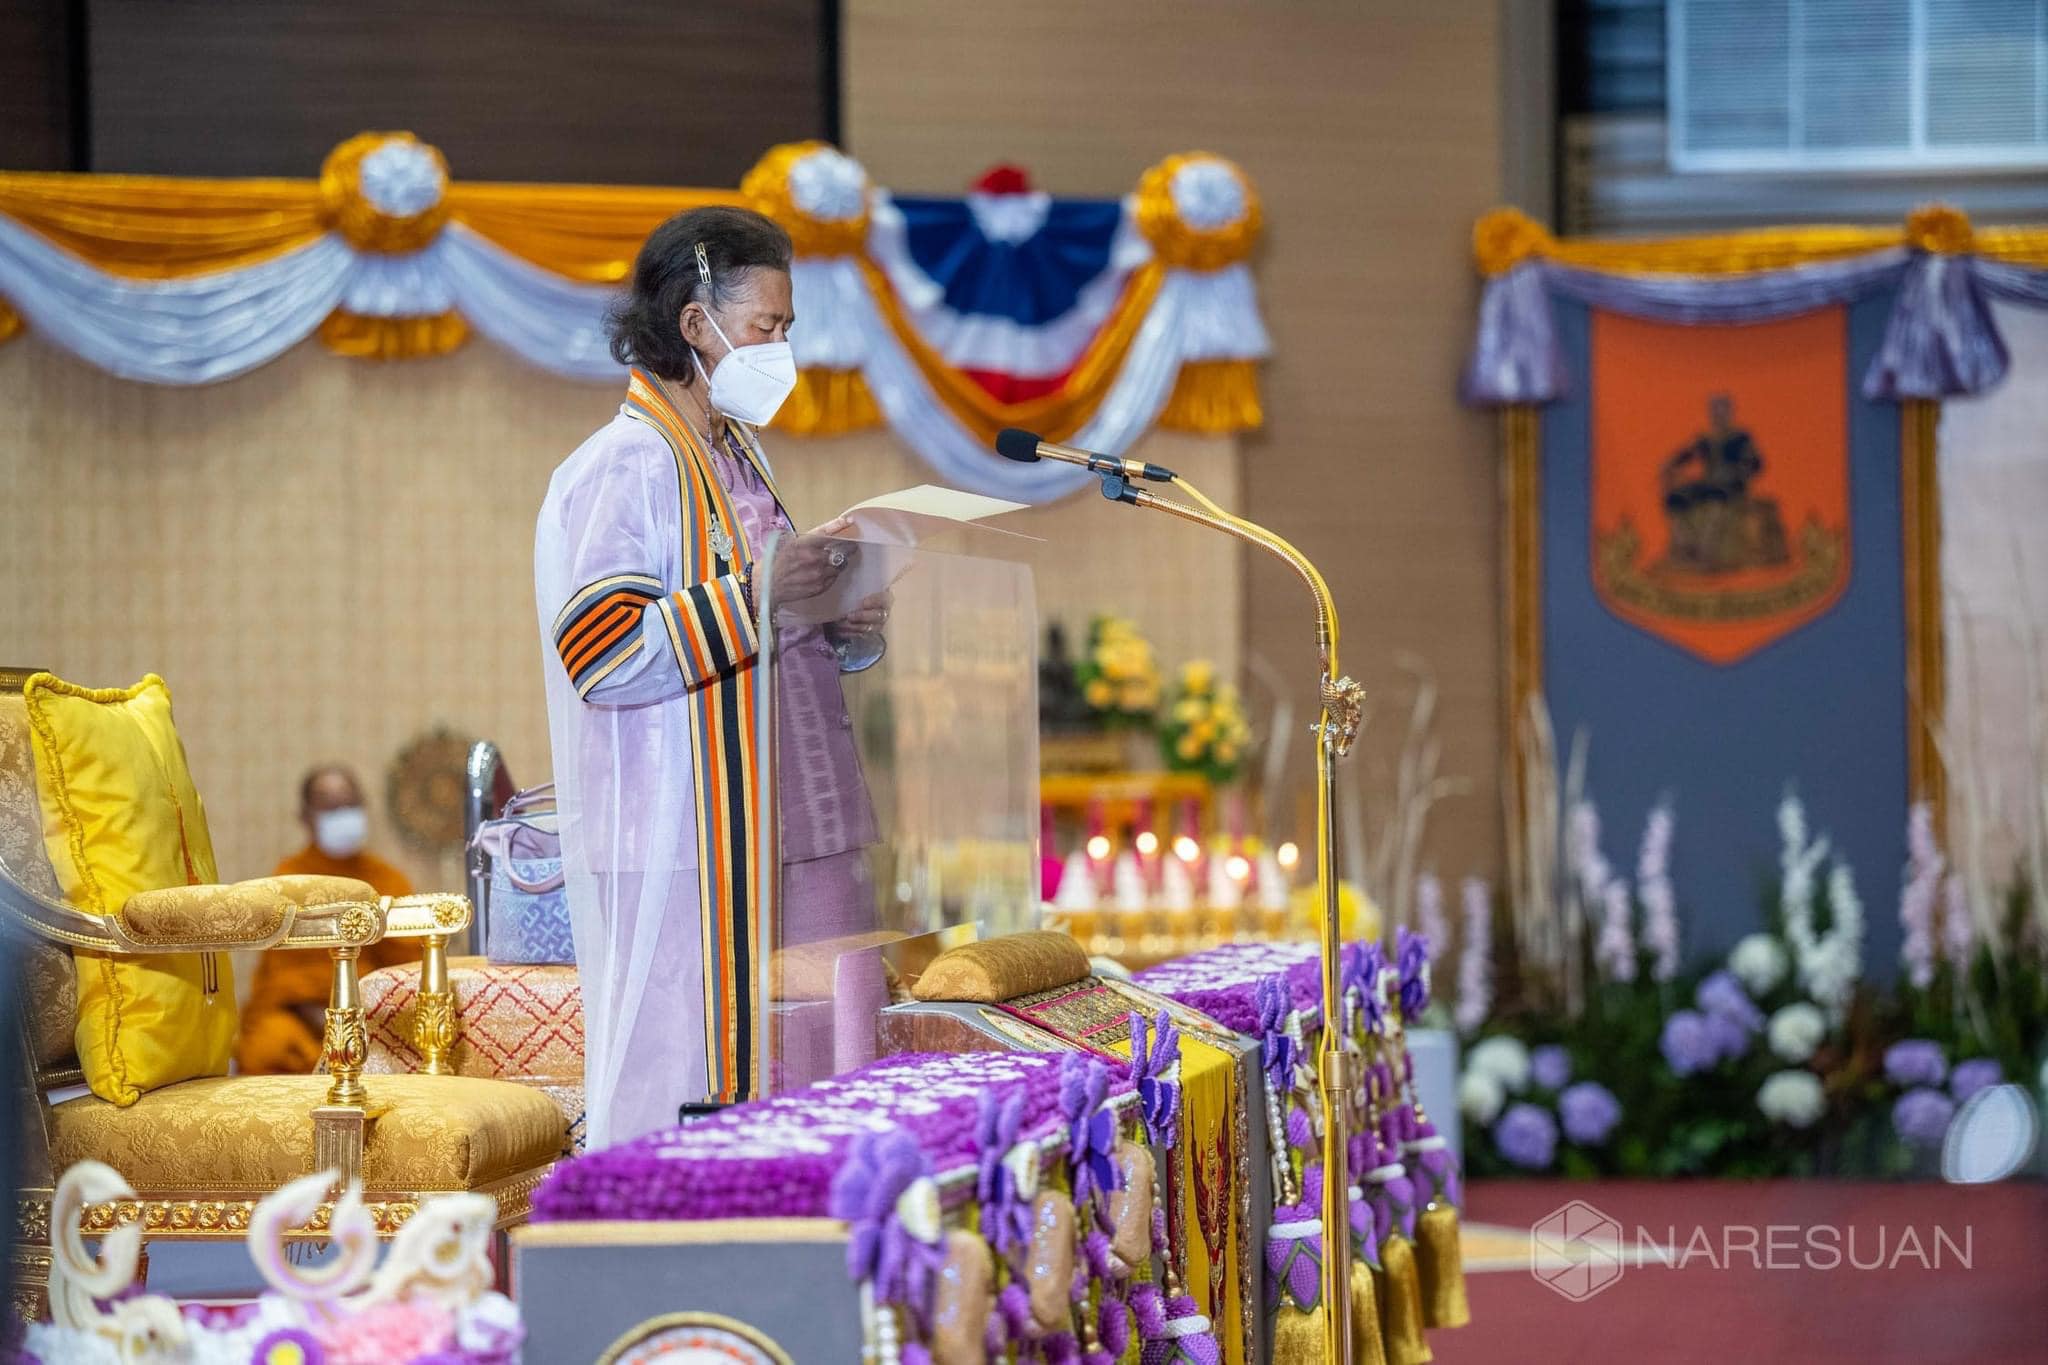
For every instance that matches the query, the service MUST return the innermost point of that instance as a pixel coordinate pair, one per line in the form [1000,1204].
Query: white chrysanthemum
[1793,1098]
[829,185]
[1480,1096]
[1796,1030]
[1759,963]
[1208,194]
[401,179]
[1504,1059]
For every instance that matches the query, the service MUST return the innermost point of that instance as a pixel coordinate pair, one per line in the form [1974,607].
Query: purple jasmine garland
[1412,962]
[1526,1136]
[1916,1061]
[1589,1113]
[777,1157]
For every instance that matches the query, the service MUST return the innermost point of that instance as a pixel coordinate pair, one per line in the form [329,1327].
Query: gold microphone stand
[1335,730]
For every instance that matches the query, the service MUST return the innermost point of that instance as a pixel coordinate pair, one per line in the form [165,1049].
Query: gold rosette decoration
[819,195]
[387,194]
[1940,229]
[1504,238]
[1199,212]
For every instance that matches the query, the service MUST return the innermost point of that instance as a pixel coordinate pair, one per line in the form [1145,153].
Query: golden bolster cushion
[809,971]
[234,1133]
[998,969]
[121,816]
[246,912]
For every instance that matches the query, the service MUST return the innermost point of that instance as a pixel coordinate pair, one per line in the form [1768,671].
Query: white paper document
[877,546]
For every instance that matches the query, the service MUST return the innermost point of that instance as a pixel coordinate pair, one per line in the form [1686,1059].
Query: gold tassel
[1297,1336]
[1442,1267]
[1401,1304]
[1366,1346]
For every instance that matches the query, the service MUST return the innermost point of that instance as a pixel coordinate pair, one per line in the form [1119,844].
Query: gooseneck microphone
[1024,447]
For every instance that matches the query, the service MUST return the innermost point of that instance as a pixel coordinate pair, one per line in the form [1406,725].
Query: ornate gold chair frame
[339,1123]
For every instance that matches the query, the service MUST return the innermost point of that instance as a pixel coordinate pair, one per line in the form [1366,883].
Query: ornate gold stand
[1335,730]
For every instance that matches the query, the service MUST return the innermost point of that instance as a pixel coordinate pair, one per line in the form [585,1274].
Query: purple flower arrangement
[1915,1062]
[1589,1113]
[1550,1066]
[1527,1136]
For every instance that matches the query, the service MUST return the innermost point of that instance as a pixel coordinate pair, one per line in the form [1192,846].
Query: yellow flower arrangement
[1205,730]
[1118,676]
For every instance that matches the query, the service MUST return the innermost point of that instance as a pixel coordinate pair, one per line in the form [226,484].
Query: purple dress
[828,820]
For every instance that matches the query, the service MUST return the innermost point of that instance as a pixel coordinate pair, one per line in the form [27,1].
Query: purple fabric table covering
[1223,982]
[775,1158]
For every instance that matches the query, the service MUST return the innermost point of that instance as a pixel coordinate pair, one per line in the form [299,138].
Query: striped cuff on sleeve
[710,627]
[600,628]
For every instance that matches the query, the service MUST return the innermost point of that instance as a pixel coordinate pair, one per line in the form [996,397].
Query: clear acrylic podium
[898,743]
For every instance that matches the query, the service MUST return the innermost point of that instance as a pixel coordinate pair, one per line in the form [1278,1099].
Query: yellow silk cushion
[120,816]
[254,1133]
[998,969]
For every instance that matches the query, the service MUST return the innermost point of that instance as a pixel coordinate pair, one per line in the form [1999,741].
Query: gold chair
[201,1153]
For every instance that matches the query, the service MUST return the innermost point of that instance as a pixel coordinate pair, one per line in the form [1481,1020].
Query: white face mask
[752,382]
[341,833]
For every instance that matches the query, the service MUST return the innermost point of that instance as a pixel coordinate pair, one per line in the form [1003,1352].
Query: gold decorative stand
[1335,730]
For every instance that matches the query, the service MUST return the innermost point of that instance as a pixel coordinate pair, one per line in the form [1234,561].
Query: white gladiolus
[1504,1059]
[1759,963]
[1796,1030]
[1480,1096]
[1793,1098]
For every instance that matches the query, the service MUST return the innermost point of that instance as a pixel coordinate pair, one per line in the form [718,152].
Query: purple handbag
[526,910]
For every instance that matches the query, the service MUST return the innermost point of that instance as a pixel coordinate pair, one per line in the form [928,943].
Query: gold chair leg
[433,1022]
[31,1289]
[338,1125]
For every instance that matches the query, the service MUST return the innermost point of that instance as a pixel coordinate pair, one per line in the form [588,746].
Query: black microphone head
[1013,443]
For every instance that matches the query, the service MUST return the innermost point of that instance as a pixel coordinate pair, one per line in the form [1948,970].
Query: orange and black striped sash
[713,638]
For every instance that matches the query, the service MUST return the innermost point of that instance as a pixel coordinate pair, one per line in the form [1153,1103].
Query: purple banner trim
[1941,339]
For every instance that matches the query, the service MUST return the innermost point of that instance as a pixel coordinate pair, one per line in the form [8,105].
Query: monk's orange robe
[276,1038]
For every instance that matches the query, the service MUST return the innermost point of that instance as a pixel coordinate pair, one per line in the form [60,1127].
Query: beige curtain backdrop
[327,557]
[1374,135]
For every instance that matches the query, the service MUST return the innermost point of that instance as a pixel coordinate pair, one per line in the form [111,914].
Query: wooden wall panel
[631,91]
[37,125]
[1373,132]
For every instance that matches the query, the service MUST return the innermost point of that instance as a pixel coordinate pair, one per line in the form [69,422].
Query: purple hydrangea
[1589,1112]
[1979,1073]
[1721,996]
[1527,1137]
[1729,1038]
[1921,1116]
[1687,1044]
[1550,1066]
[1916,1061]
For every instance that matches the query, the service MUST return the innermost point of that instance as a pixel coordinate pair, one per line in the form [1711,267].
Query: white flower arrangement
[1793,1098]
[1481,1096]
[1503,1058]
[1829,964]
[1759,963]
[1795,1031]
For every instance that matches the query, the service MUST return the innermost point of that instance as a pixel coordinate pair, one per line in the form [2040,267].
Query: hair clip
[703,264]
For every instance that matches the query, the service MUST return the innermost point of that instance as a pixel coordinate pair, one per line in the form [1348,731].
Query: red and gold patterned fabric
[514,1023]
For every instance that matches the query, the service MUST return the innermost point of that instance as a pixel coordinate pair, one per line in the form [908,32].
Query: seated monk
[284,1018]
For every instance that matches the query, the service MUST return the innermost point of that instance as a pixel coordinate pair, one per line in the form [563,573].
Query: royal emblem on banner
[1720,477]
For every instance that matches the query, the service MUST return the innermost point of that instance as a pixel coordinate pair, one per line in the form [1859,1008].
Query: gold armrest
[433,919]
[245,915]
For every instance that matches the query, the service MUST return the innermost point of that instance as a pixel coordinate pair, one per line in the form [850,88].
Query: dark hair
[643,324]
[313,776]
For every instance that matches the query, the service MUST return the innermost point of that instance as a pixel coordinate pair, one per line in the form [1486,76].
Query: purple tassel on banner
[1940,340]
[1515,356]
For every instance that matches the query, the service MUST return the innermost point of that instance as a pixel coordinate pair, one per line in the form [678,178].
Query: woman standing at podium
[645,585]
